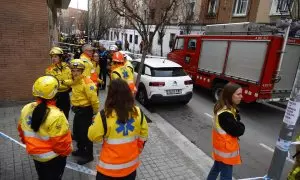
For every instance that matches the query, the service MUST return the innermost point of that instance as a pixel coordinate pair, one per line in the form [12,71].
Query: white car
[162,80]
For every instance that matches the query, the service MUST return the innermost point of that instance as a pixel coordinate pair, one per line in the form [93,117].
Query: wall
[24,46]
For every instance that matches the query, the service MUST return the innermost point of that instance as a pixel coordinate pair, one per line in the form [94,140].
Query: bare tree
[143,15]
[187,16]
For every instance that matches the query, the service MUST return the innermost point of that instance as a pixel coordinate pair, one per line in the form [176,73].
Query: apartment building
[232,11]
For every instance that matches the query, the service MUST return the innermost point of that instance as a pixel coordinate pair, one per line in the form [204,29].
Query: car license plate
[174,91]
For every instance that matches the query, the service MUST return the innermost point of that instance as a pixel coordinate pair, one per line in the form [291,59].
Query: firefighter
[227,128]
[61,71]
[119,70]
[295,172]
[123,129]
[44,129]
[86,57]
[85,105]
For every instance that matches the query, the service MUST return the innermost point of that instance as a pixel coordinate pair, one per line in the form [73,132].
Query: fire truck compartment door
[288,68]
[212,56]
[246,59]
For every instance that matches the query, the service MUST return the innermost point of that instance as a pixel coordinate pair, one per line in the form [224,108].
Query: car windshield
[168,72]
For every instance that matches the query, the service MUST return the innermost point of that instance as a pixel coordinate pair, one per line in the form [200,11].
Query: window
[191,10]
[147,71]
[192,44]
[212,7]
[280,7]
[171,41]
[168,72]
[179,44]
[240,8]
[111,35]
[135,65]
[130,38]
[136,39]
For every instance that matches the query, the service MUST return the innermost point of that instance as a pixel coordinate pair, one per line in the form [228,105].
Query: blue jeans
[225,169]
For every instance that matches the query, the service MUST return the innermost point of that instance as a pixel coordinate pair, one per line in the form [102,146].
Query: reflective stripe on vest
[120,140]
[46,155]
[219,130]
[117,166]
[35,135]
[226,155]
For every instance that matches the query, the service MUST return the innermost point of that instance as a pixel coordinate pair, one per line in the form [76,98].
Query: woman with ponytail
[44,130]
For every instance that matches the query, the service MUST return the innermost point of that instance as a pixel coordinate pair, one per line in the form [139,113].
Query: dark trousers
[104,177]
[63,102]
[102,75]
[82,121]
[51,170]
[219,167]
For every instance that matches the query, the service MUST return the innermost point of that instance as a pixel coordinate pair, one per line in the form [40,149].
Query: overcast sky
[82,4]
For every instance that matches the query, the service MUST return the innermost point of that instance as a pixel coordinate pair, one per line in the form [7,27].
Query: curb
[200,159]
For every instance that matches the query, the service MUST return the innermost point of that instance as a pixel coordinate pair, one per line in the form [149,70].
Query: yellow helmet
[56,51]
[45,87]
[76,64]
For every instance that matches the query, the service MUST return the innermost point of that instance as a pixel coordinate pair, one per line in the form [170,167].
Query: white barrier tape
[295,143]
[56,42]
[79,168]
[70,165]
[256,178]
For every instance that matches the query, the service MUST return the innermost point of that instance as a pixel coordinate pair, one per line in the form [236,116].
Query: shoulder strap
[142,116]
[117,74]
[103,117]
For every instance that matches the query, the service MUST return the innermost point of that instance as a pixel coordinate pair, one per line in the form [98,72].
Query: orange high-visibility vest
[51,140]
[122,143]
[226,148]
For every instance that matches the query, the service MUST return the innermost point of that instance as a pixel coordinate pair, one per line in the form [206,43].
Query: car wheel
[142,97]
[216,91]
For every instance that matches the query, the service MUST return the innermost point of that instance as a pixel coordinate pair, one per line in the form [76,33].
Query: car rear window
[168,72]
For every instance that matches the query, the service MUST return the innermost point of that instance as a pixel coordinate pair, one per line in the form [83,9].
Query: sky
[82,4]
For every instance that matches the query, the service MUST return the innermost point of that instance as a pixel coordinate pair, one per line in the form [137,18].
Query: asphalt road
[262,122]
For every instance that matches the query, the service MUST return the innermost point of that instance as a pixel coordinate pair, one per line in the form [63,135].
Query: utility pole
[289,121]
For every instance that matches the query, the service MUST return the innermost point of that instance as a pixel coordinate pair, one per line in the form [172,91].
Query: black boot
[84,160]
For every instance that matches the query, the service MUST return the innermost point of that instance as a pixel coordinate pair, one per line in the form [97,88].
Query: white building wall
[156,51]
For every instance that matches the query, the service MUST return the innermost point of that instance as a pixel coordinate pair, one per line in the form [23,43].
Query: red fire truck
[253,61]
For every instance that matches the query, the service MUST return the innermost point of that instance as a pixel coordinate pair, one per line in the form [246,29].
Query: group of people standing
[121,126]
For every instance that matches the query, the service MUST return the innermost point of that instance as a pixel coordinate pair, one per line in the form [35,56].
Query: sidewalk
[167,154]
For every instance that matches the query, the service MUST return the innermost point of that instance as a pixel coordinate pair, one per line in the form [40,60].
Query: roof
[159,63]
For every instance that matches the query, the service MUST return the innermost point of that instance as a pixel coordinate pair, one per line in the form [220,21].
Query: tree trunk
[161,46]
[144,53]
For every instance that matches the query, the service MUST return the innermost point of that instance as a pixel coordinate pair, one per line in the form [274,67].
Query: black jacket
[230,125]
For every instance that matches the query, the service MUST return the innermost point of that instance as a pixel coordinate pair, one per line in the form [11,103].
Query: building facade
[27,30]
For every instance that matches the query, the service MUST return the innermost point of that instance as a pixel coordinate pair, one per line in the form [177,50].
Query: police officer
[44,130]
[85,105]
[62,72]
[119,70]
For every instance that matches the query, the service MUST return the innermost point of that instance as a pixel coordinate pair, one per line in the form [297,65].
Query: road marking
[272,150]
[208,115]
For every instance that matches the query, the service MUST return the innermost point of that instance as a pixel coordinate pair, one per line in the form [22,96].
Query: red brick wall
[24,46]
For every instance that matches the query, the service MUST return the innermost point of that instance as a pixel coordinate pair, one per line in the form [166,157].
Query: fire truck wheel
[216,91]
[142,96]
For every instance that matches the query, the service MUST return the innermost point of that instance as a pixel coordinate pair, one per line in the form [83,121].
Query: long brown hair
[226,97]
[120,99]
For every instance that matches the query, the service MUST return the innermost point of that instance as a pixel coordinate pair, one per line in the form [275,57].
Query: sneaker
[85,160]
